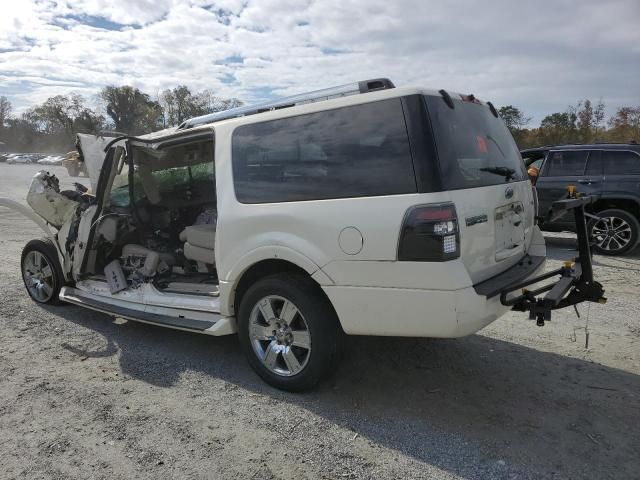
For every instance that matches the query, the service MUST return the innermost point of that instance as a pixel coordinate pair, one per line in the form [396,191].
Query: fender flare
[232,277]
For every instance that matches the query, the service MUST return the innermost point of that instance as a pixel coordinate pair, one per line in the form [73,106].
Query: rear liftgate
[576,283]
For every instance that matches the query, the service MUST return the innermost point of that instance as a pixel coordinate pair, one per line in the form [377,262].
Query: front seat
[199,244]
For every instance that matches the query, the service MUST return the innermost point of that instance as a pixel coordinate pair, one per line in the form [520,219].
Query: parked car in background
[609,171]
[51,160]
[18,158]
[14,158]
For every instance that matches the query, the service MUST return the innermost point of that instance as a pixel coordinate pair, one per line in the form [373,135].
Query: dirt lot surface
[84,396]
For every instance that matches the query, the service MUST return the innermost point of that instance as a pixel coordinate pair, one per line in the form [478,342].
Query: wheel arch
[270,266]
[627,204]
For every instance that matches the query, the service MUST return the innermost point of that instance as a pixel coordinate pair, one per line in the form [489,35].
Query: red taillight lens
[430,234]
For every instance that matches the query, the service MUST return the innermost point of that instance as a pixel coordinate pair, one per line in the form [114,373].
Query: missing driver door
[83,254]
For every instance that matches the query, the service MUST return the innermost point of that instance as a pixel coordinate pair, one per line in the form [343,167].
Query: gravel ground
[84,396]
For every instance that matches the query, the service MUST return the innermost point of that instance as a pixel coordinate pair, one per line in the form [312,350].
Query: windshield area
[475,148]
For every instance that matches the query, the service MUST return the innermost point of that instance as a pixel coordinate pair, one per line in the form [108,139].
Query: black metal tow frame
[576,283]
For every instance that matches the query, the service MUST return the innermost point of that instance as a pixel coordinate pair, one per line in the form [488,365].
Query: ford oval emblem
[508,193]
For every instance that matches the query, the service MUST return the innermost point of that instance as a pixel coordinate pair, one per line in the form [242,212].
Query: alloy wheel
[280,335]
[611,233]
[38,276]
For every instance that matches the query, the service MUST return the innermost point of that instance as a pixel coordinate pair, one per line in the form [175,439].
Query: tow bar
[576,283]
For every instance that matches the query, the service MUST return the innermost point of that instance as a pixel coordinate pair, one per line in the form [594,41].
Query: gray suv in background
[609,171]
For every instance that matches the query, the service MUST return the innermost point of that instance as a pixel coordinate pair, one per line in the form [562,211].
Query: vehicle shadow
[477,399]
[565,246]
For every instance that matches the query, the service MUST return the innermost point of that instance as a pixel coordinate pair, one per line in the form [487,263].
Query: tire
[299,344]
[41,271]
[616,232]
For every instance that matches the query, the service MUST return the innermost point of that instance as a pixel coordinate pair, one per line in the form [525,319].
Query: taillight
[430,234]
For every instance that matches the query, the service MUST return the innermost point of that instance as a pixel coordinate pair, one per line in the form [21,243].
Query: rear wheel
[41,271]
[615,232]
[288,331]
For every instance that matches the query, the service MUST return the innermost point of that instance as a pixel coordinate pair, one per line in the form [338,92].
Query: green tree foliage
[132,111]
[583,122]
[179,104]
[52,125]
[625,124]
[515,120]
[5,111]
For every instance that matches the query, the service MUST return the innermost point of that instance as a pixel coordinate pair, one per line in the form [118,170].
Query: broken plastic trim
[493,109]
[447,98]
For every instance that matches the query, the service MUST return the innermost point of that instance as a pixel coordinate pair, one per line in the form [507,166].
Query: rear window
[620,162]
[566,163]
[356,151]
[475,148]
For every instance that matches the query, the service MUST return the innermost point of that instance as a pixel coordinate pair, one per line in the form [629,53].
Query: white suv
[363,209]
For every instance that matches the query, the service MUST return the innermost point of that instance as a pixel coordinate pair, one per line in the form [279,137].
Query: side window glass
[356,151]
[567,162]
[621,163]
[594,164]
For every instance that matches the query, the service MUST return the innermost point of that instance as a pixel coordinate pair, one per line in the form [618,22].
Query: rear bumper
[407,312]
[525,268]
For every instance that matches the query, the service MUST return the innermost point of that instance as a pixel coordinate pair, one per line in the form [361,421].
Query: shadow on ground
[565,246]
[500,400]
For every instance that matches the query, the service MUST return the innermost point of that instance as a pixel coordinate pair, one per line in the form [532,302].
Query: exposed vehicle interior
[158,220]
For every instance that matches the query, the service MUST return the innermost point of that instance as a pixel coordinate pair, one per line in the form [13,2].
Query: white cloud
[537,55]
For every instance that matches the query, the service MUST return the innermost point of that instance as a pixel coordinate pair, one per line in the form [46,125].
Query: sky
[539,55]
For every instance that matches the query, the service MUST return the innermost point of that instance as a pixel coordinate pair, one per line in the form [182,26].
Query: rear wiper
[506,172]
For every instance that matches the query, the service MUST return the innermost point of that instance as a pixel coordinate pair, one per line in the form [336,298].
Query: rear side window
[620,162]
[566,162]
[356,151]
[594,164]
[475,149]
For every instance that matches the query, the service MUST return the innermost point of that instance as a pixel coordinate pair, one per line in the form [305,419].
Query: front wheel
[41,271]
[288,331]
[615,232]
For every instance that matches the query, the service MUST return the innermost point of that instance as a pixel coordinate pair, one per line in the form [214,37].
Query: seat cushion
[200,235]
[199,254]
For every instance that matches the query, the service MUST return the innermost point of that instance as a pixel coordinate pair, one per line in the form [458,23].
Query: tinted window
[471,142]
[566,162]
[620,163]
[594,164]
[354,151]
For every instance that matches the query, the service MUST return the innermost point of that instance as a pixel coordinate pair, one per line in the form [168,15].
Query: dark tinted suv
[611,171]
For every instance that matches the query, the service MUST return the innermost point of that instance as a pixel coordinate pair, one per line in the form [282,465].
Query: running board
[220,326]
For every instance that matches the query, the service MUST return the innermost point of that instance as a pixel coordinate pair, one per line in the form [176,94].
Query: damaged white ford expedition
[363,209]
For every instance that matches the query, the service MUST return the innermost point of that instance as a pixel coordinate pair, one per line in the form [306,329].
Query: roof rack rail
[364,86]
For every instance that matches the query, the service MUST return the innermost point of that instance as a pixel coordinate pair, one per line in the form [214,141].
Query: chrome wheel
[279,335]
[611,233]
[38,276]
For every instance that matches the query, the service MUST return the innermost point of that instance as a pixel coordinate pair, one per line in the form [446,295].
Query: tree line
[51,126]
[583,122]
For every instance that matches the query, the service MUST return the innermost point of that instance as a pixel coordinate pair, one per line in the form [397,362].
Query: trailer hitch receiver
[575,283]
